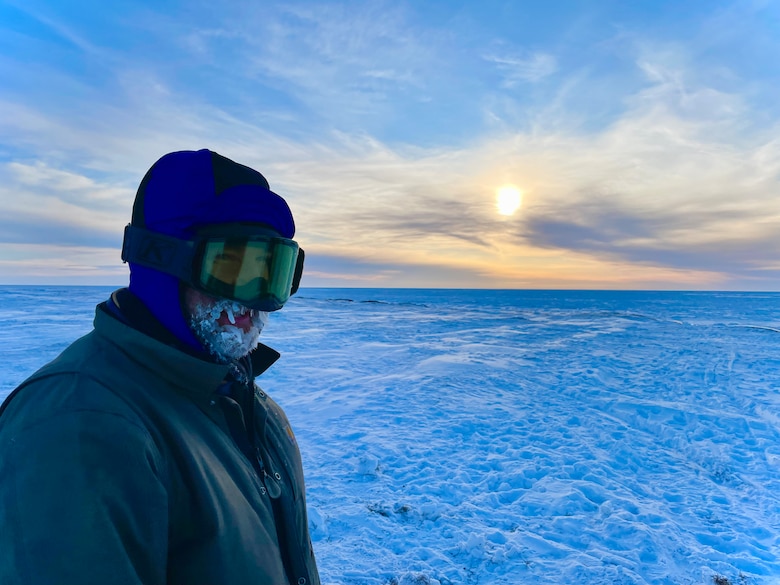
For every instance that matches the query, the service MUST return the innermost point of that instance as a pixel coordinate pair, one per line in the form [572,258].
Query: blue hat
[184,192]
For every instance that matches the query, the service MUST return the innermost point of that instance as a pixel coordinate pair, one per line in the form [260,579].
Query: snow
[464,437]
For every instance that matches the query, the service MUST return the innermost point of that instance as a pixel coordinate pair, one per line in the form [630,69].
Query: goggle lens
[255,271]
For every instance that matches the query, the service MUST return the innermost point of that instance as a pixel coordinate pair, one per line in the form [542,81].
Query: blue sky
[642,135]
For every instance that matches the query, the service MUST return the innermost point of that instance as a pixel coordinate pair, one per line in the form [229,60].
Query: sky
[642,138]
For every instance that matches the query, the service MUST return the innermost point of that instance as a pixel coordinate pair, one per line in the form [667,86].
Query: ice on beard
[226,342]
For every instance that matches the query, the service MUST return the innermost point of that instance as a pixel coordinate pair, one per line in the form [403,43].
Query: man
[144,454]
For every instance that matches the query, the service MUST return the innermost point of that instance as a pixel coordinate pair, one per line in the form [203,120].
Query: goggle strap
[159,251]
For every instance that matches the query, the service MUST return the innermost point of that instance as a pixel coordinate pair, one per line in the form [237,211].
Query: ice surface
[512,437]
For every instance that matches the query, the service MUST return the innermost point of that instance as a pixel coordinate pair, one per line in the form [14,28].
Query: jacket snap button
[302,581]
[277,476]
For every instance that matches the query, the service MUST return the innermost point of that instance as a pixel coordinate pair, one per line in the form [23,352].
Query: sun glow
[508,199]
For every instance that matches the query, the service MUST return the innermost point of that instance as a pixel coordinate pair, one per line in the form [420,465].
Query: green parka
[124,462]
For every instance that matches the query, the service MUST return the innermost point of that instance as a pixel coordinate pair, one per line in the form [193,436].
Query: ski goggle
[259,270]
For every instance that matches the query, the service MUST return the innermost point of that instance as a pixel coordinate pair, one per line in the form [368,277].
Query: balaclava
[186,191]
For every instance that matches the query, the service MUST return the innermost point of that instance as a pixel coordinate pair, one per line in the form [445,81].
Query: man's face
[237,264]
[227,329]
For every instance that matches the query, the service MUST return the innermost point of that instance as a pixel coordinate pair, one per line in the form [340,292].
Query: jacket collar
[148,345]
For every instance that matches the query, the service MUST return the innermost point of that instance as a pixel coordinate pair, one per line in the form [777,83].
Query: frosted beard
[227,329]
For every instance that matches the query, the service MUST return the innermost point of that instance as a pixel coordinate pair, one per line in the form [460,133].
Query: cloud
[674,184]
[61,29]
[344,63]
[51,228]
[40,204]
[669,240]
[40,263]
[530,68]
[324,270]
[658,188]
[41,175]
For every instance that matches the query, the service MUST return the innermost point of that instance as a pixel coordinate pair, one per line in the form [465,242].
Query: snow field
[481,445]
[477,437]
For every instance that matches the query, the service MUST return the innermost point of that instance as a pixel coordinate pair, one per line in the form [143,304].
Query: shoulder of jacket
[52,393]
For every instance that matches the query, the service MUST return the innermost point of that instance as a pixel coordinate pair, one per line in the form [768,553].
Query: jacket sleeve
[82,500]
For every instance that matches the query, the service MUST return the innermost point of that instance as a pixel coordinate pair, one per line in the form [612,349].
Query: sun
[508,199]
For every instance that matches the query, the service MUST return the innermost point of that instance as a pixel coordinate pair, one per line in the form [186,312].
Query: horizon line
[428,288]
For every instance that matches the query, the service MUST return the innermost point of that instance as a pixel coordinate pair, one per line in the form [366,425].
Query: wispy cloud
[529,68]
[61,29]
[43,264]
[406,271]
[329,62]
[660,188]
[44,205]
[671,184]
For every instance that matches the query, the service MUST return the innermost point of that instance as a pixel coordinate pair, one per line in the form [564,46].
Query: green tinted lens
[257,272]
[282,270]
